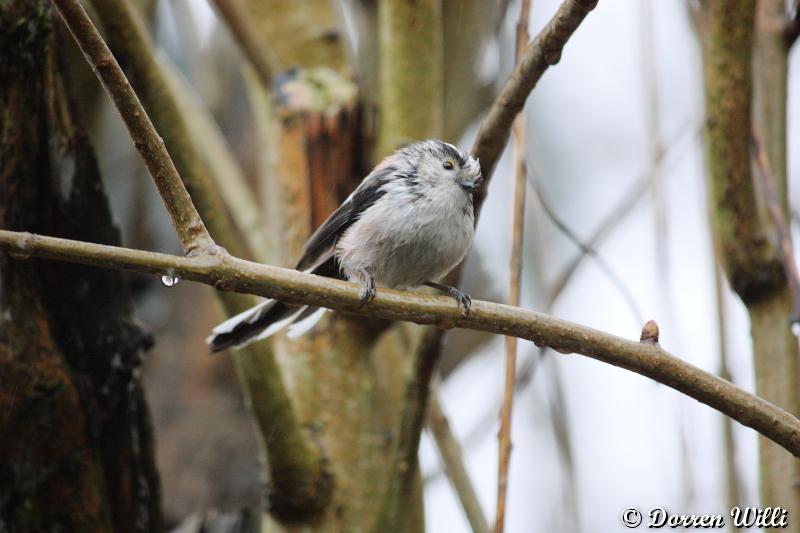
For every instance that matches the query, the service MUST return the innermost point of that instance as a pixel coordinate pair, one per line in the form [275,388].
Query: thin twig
[609,223]
[191,230]
[587,250]
[492,136]
[515,274]
[783,234]
[230,273]
[658,191]
[453,463]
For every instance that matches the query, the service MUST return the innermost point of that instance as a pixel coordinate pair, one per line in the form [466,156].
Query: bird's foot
[367,290]
[463,299]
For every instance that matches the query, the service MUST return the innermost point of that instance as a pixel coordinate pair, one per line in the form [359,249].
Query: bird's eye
[448,165]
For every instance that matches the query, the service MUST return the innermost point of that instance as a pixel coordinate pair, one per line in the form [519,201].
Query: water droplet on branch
[169,279]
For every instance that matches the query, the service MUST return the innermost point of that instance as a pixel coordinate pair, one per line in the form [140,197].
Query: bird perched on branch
[407,224]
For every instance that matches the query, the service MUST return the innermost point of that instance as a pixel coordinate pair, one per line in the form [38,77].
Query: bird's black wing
[320,245]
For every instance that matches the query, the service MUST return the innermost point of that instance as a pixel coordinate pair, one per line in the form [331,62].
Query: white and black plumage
[407,224]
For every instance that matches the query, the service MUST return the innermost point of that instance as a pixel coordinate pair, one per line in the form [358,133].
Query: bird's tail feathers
[271,316]
[306,320]
[261,322]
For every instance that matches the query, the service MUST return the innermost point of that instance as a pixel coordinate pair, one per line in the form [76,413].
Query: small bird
[407,224]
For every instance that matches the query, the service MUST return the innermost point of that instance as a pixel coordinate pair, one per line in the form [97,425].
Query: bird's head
[441,164]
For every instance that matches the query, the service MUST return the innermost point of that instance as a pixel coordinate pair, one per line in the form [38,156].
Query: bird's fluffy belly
[405,248]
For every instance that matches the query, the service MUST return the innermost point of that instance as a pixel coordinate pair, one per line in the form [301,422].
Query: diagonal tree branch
[300,486]
[545,50]
[191,230]
[585,250]
[495,129]
[229,273]
[453,464]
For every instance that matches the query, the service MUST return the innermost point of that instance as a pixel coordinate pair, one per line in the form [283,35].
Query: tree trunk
[76,446]
[748,247]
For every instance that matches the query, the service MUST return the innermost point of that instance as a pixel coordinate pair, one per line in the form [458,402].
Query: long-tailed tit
[407,224]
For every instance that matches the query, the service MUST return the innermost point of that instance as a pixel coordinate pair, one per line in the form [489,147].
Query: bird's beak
[468,185]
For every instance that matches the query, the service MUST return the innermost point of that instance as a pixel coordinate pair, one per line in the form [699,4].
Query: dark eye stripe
[454,154]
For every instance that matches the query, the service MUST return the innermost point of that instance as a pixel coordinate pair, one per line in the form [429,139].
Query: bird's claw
[367,291]
[463,299]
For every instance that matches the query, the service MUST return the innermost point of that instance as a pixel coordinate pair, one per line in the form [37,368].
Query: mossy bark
[748,247]
[76,446]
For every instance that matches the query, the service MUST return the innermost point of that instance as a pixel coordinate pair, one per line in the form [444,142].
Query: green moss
[25,27]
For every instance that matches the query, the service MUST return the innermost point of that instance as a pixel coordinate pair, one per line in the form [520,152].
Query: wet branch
[229,273]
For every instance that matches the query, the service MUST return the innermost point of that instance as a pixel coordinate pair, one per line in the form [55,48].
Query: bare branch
[229,273]
[587,250]
[515,275]
[732,483]
[453,462]
[544,51]
[191,230]
[750,260]
[623,208]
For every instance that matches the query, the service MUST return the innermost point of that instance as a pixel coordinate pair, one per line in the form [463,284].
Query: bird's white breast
[408,238]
